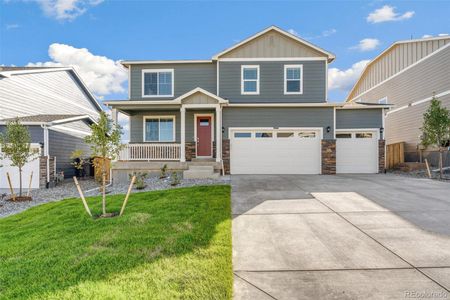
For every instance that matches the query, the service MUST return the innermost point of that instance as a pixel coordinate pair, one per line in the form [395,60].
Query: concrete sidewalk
[340,237]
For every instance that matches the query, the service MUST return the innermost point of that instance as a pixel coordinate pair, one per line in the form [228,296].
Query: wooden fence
[395,155]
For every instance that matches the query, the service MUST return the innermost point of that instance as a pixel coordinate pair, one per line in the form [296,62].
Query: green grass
[168,244]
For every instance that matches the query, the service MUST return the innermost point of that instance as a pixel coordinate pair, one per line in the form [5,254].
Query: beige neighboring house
[406,75]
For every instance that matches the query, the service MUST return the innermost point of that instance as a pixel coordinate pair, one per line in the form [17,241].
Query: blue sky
[54,32]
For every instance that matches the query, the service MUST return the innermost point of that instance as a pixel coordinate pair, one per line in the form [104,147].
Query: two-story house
[259,107]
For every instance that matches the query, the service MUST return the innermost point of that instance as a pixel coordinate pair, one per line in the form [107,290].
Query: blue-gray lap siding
[279,117]
[272,82]
[186,77]
[137,123]
[61,145]
[359,118]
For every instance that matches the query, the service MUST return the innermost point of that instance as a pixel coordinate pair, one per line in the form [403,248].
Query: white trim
[296,38]
[418,102]
[303,58]
[149,62]
[212,132]
[217,79]
[62,128]
[393,76]
[183,134]
[159,117]
[243,80]
[334,122]
[285,80]
[285,104]
[384,99]
[144,71]
[319,129]
[53,123]
[179,99]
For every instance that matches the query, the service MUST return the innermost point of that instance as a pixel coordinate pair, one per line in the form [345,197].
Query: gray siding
[416,83]
[137,124]
[279,117]
[272,82]
[36,133]
[62,145]
[186,77]
[359,118]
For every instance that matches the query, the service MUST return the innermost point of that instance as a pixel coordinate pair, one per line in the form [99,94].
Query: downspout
[46,153]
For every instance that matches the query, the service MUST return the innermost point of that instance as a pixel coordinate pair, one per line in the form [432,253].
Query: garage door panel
[357,155]
[291,155]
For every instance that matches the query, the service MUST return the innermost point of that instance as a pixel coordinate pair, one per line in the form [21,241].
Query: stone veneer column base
[381,156]
[43,170]
[328,157]
[190,150]
[226,156]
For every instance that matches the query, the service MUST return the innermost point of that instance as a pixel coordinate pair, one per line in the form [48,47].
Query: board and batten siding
[271,86]
[186,78]
[278,117]
[43,93]
[359,118]
[396,59]
[415,84]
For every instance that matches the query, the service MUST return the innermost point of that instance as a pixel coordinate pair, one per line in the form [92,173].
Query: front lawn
[169,244]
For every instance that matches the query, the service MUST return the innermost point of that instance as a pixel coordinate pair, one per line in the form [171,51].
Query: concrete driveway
[340,237]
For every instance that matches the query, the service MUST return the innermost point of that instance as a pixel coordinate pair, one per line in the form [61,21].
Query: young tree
[105,143]
[15,145]
[436,127]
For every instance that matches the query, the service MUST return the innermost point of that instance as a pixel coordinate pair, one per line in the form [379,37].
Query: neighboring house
[57,108]
[259,107]
[406,75]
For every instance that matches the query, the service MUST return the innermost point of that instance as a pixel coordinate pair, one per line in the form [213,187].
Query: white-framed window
[250,79]
[159,129]
[293,79]
[157,83]
[383,100]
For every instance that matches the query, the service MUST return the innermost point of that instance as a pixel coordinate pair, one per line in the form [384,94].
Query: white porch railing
[147,152]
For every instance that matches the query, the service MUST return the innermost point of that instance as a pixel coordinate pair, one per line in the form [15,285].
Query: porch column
[114,115]
[218,133]
[47,152]
[183,134]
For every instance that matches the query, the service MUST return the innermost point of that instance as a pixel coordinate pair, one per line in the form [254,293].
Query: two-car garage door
[275,151]
[298,151]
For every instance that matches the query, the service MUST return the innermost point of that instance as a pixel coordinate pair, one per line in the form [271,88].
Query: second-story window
[250,80]
[293,79]
[157,83]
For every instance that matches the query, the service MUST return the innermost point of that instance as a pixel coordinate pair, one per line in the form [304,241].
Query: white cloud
[66,10]
[367,44]
[443,34]
[425,36]
[325,33]
[12,26]
[102,75]
[387,13]
[345,79]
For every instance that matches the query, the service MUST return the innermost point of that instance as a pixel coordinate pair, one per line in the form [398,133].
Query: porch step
[203,159]
[200,172]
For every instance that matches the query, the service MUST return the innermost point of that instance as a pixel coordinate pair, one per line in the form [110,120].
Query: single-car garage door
[275,151]
[357,151]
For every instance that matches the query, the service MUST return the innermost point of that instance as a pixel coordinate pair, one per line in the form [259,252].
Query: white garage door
[280,151]
[357,151]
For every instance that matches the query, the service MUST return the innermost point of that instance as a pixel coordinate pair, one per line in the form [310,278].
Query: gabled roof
[388,49]
[49,120]
[13,71]
[220,100]
[330,55]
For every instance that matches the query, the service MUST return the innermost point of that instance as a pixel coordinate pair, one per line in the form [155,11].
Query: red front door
[204,142]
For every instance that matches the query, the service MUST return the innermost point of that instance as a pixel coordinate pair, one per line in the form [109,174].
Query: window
[204,122]
[242,134]
[343,135]
[157,83]
[263,134]
[293,79]
[159,129]
[250,80]
[307,134]
[285,134]
[383,101]
[363,135]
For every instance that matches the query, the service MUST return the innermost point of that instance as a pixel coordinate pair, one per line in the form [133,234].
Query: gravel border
[67,189]
[422,174]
